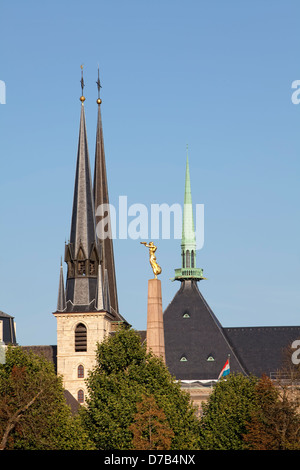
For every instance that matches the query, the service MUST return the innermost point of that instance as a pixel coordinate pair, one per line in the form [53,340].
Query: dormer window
[183,359]
[186,315]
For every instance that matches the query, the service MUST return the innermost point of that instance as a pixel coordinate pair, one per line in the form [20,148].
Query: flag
[226,370]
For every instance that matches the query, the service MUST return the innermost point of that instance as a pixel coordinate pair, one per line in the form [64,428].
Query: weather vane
[82,98]
[98,86]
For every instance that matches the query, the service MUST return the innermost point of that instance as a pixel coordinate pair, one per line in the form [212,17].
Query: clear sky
[214,75]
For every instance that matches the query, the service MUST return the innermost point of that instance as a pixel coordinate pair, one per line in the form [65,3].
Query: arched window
[183,259]
[80,372]
[80,396]
[80,338]
[188,259]
[192,259]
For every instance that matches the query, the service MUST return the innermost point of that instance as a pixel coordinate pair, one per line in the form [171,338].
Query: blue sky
[214,75]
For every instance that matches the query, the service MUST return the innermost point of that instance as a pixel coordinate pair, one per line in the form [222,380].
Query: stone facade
[73,365]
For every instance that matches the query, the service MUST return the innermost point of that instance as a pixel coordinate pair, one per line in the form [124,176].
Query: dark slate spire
[61,300]
[83,225]
[81,253]
[100,198]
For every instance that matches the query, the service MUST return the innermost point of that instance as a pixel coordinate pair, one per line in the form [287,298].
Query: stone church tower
[87,307]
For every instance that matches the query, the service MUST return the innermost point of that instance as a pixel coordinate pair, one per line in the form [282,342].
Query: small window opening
[80,396]
[188,259]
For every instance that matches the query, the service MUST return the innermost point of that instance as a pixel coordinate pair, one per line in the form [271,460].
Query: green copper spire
[188,229]
[188,268]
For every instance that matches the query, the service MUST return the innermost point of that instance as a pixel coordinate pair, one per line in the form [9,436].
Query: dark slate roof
[72,402]
[48,352]
[193,332]
[261,350]
[200,336]
[5,315]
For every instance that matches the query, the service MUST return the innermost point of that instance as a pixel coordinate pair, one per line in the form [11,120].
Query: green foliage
[227,412]
[123,374]
[33,411]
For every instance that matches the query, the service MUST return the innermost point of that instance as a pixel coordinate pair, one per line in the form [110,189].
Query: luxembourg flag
[226,370]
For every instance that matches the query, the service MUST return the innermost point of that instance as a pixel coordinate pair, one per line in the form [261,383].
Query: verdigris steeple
[188,268]
[101,199]
[82,253]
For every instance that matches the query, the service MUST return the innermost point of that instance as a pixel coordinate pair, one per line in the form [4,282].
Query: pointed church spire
[81,253]
[188,268]
[188,229]
[61,300]
[101,198]
[83,224]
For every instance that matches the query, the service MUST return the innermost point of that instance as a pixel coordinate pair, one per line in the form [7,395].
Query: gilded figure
[152,258]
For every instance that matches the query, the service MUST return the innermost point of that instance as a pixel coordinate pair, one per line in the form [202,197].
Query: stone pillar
[155,325]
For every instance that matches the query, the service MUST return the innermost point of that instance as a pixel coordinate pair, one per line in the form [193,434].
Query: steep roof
[195,344]
[83,220]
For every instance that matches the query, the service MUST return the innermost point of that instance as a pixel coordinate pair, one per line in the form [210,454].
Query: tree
[124,372]
[227,412]
[150,428]
[275,423]
[33,411]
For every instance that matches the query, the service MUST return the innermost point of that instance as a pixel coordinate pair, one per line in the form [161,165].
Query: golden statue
[152,258]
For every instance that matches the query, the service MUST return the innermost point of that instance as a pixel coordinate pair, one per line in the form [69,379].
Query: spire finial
[82,98]
[99,101]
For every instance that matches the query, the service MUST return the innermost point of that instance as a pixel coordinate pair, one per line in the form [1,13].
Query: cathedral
[197,346]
